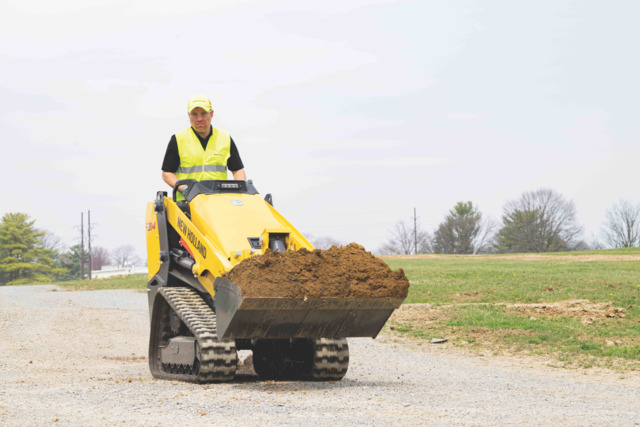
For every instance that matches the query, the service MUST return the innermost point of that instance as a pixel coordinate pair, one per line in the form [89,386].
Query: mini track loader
[200,319]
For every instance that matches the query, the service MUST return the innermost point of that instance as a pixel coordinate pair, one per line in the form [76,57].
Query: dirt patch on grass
[429,322]
[420,314]
[418,323]
[525,257]
[583,310]
[338,272]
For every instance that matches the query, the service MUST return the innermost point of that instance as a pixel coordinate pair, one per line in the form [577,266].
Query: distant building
[109,271]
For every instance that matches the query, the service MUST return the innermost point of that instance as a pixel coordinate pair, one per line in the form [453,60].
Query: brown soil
[420,314]
[347,271]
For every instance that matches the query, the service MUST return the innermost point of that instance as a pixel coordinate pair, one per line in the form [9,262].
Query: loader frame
[199,319]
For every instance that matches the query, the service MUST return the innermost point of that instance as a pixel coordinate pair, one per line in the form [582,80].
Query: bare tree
[622,226]
[99,258]
[124,256]
[52,242]
[463,231]
[324,242]
[539,221]
[404,240]
[595,242]
[484,242]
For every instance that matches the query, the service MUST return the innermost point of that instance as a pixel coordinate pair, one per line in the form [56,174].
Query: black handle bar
[187,182]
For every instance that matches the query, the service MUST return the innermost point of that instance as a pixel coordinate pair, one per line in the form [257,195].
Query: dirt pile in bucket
[338,272]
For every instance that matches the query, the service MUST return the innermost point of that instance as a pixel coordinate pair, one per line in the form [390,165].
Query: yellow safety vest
[199,164]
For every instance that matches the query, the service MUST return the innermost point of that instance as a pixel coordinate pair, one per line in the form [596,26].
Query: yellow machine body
[153,241]
[218,230]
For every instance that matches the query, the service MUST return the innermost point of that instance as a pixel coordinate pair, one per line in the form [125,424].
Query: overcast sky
[351,112]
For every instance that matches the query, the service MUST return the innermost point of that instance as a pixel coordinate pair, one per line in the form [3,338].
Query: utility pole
[415,232]
[81,245]
[89,240]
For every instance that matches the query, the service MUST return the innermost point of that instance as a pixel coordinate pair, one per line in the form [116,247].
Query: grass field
[582,308]
[134,281]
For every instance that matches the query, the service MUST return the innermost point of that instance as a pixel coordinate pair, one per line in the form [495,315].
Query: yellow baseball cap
[199,101]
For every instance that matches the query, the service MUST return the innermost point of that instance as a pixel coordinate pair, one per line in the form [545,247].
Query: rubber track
[218,359]
[330,359]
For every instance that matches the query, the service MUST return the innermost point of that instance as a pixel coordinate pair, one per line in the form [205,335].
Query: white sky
[350,112]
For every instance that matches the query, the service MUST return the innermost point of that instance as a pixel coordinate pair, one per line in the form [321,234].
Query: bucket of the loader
[275,317]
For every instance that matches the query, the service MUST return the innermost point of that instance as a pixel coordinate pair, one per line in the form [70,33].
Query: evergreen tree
[455,235]
[23,259]
[70,263]
[540,221]
[520,233]
[463,231]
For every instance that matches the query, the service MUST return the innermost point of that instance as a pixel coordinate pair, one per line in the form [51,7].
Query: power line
[415,232]
[81,245]
[89,240]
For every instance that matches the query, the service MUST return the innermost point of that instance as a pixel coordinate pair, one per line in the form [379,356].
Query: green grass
[133,281]
[473,298]
[488,280]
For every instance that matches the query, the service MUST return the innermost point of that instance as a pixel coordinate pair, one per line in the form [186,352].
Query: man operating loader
[201,152]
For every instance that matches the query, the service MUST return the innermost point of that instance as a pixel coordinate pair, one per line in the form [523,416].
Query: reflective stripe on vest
[199,164]
[205,168]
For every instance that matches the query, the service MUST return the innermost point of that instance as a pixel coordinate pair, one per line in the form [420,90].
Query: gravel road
[79,358]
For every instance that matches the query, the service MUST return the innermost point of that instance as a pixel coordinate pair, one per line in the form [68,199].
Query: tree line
[538,221]
[28,254]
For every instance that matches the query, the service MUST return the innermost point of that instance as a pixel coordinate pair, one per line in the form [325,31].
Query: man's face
[200,119]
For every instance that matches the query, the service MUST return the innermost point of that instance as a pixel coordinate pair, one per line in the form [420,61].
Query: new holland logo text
[188,234]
